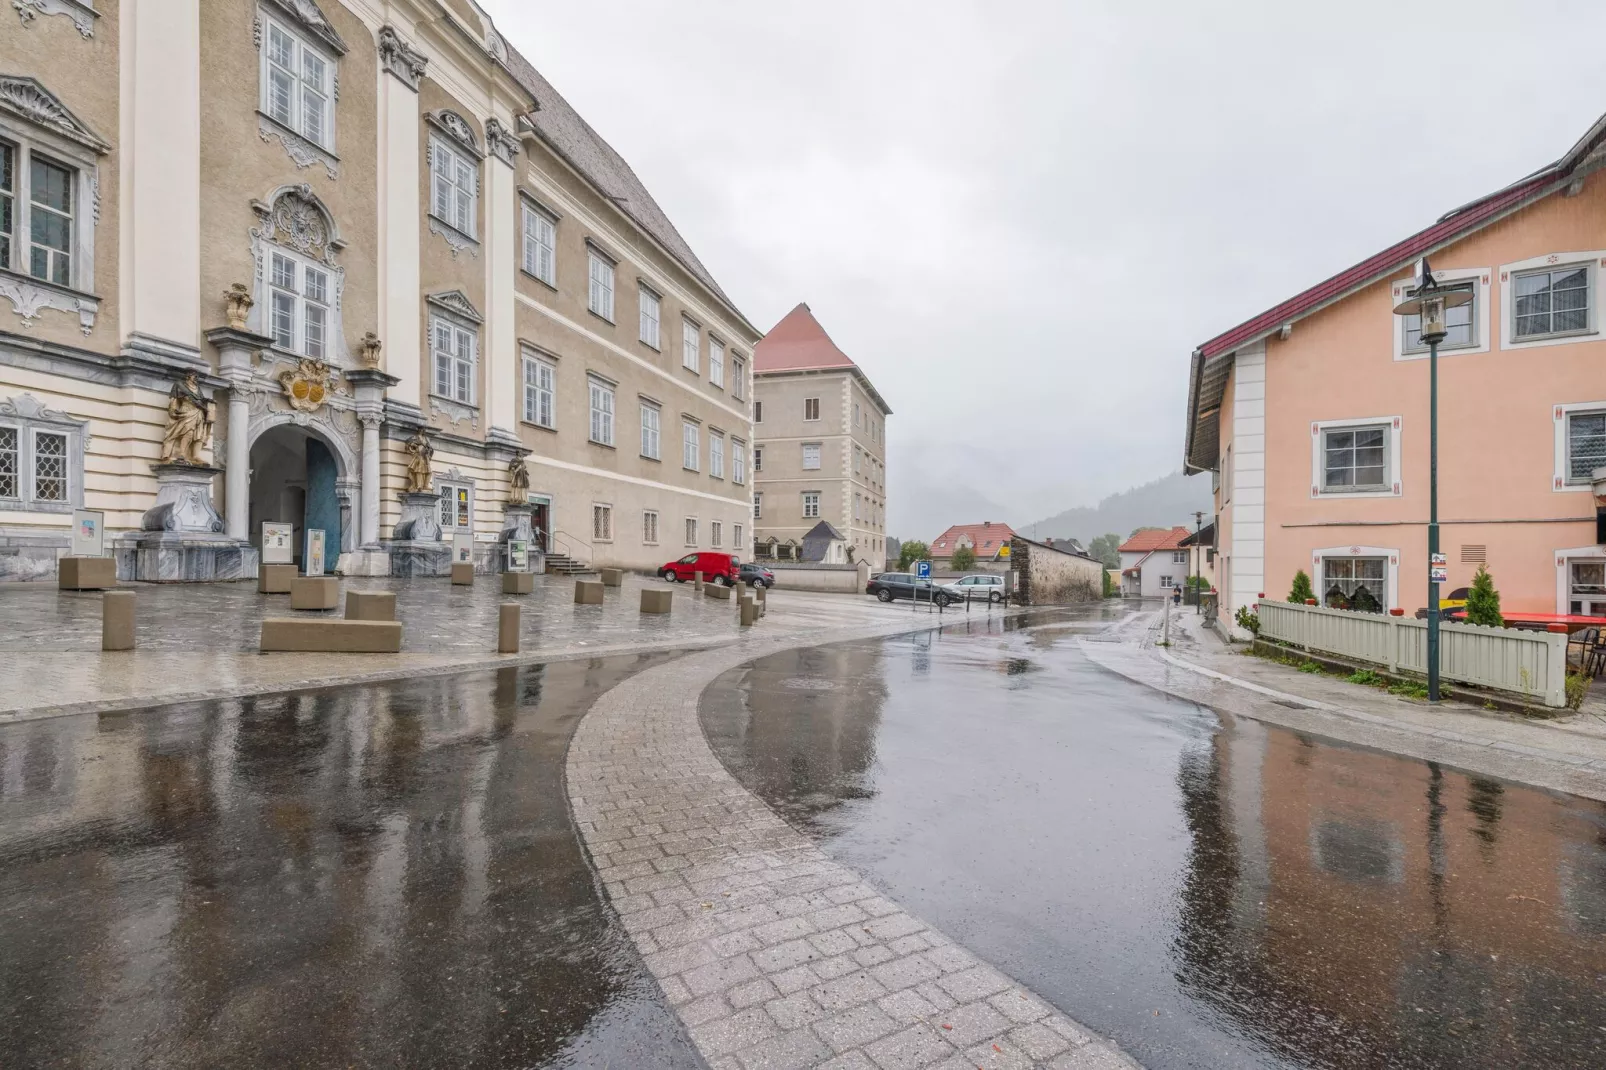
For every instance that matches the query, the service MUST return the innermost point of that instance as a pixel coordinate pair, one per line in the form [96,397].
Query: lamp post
[1198,562]
[1427,300]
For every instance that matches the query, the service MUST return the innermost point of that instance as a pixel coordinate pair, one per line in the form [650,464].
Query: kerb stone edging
[773,955]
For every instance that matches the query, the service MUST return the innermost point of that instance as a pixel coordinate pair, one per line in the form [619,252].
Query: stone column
[502,228]
[369,524]
[236,348]
[400,165]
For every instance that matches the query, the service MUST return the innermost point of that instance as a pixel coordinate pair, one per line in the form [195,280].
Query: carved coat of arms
[307,385]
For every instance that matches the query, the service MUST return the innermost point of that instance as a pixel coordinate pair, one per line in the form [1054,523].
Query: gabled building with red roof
[1153,561]
[989,541]
[1313,416]
[820,443]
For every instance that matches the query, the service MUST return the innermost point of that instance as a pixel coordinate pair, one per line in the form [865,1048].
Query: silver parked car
[986,587]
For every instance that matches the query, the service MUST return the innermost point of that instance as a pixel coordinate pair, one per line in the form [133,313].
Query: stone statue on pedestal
[419,455]
[189,423]
[518,482]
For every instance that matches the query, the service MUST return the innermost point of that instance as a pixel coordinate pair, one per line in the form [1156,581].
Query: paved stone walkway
[775,956]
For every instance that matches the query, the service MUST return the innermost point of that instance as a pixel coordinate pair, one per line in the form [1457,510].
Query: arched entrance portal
[295,479]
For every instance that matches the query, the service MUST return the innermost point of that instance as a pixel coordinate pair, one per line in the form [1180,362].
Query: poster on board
[518,555]
[278,543]
[88,533]
[462,549]
[312,556]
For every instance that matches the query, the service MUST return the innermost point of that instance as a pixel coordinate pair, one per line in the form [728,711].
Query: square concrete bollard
[696,581]
[613,577]
[717,590]
[370,605]
[507,627]
[330,635]
[315,592]
[656,600]
[275,579]
[518,582]
[86,573]
[749,612]
[117,620]
[588,592]
[462,574]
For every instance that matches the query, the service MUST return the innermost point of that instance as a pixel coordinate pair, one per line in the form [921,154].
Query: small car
[755,575]
[989,587]
[890,585]
[716,567]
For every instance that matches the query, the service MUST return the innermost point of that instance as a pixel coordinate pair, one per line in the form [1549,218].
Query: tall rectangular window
[602,523]
[49,467]
[540,244]
[691,345]
[716,533]
[649,430]
[758,458]
[758,505]
[649,528]
[716,456]
[298,314]
[8,202]
[736,539]
[738,377]
[50,220]
[453,349]
[811,504]
[457,506]
[1586,445]
[689,446]
[10,462]
[811,456]
[691,531]
[738,463]
[454,185]
[601,290]
[1551,302]
[649,317]
[811,408]
[601,412]
[540,384]
[1355,458]
[716,361]
[758,412]
[297,86]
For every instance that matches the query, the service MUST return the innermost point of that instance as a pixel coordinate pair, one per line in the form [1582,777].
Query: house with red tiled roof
[1313,416]
[820,445]
[989,541]
[1153,562]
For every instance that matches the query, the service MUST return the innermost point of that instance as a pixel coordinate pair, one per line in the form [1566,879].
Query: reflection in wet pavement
[1207,894]
[384,875]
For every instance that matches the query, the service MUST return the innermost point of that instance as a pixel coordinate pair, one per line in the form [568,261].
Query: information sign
[278,543]
[88,533]
[312,556]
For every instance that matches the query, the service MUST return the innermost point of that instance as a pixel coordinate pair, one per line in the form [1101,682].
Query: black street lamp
[1429,301]
[1198,562]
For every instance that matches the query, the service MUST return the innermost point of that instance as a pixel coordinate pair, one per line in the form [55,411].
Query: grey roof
[571,137]
[819,539]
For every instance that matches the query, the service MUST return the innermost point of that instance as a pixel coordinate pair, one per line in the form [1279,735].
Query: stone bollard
[588,592]
[370,605]
[749,611]
[463,574]
[117,620]
[763,594]
[656,600]
[696,581]
[518,582]
[275,579]
[613,577]
[717,590]
[86,573]
[315,592]
[507,627]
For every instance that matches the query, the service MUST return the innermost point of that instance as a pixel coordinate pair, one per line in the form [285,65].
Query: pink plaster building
[1313,416]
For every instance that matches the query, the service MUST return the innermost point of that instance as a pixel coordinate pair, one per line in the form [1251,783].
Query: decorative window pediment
[456,303]
[308,16]
[295,216]
[459,130]
[30,101]
[298,288]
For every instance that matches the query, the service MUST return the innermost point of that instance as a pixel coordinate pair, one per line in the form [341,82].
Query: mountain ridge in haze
[1163,503]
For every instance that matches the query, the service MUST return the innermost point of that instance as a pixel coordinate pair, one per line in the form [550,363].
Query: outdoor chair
[1589,650]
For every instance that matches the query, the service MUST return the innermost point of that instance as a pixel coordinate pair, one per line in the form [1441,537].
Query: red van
[715,567]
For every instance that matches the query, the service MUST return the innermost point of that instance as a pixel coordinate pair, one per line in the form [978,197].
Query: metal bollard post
[117,620]
[507,629]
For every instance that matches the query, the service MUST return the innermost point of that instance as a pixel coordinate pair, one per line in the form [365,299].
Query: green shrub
[1577,688]
[910,552]
[1409,689]
[1301,589]
[1365,677]
[1107,585]
[963,559]
[1483,601]
[1309,666]
[1249,622]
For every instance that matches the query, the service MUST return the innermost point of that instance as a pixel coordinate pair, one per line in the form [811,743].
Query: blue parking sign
[923,570]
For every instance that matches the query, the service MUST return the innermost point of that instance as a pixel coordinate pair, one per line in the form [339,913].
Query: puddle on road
[369,876]
[1208,894]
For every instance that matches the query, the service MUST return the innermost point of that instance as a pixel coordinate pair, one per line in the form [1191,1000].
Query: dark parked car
[756,575]
[890,585]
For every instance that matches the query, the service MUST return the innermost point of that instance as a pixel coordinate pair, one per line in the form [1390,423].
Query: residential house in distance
[989,541]
[1153,562]
[351,222]
[1313,415]
[821,446]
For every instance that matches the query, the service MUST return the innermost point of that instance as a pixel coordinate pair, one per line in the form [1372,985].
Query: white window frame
[651,430]
[716,362]
[737,531]
[601,522]
[303,301]
[1478,279]
[690,446]
[540,390]
[691,531]
[448,489]
[738,376]
[1560,482]
[1593,260]
[808,402]
[461,187]
[819,456]
[811,501]
[716,455]
[738,462]
[716,534]
[651,311]
[758,458]
[649,527]
[758,505]
[1564,568]
[1391,570]
[691,346]
[300,87]
[599,282]
[603,406]
[28,431]
[1395,485]
[27,141]
[455,360]
[539,252]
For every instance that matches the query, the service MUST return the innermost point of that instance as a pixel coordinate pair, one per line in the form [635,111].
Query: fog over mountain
[1164,503]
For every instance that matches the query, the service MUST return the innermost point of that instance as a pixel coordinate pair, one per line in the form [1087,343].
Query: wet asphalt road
[1208,894]
[365,877]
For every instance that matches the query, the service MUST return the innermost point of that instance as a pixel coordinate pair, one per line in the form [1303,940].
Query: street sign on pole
[923,570]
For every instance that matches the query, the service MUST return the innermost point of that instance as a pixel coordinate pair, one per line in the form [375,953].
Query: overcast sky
[1020,218]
